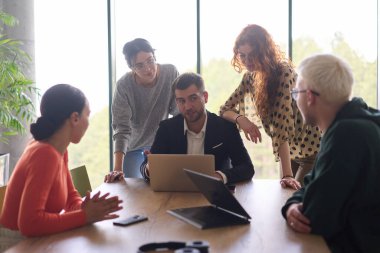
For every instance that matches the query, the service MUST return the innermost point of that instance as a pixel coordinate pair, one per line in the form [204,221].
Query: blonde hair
[328,75]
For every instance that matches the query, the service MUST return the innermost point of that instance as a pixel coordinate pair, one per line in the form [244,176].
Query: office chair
[80,180]
[2,196]
[4,169]
[132,162]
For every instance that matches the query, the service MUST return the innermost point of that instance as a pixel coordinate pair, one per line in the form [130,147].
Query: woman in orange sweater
[40,197]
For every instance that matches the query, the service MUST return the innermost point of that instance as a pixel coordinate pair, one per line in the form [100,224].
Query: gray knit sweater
[137,110]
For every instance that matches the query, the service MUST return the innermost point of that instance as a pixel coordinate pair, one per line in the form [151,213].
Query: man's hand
[218,176]
[296,220]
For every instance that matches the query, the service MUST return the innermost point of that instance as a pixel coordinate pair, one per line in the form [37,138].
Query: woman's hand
[290,182]
[100,208]
[296,220]
[251,131]
[114,176]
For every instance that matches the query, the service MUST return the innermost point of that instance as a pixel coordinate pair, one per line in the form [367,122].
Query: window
[169,25]
[219,30]
[347,29]
[71,47]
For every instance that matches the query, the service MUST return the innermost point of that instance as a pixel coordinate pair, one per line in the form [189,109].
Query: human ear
[310,98]
[205,95]
[74,117]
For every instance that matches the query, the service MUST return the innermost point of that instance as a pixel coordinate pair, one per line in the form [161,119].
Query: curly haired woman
[265,91]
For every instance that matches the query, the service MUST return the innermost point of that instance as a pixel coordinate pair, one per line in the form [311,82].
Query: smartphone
[130,220]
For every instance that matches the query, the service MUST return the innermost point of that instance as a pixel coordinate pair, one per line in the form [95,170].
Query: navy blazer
[222,139]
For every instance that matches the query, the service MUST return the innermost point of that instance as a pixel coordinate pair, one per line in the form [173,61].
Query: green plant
[16,90]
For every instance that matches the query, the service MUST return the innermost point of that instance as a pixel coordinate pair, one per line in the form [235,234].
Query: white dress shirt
[196,143]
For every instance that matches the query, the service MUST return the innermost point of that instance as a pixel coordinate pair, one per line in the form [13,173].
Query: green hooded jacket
[341,196]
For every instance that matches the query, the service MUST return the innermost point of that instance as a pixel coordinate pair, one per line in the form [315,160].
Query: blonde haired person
[340,199]
[265,92]
[321,71]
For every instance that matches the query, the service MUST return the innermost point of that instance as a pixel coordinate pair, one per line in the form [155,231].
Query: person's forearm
[118,161]
[239,173]
[284,154]
[230,116]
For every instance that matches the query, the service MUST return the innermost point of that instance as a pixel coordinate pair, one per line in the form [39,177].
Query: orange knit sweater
[40,198]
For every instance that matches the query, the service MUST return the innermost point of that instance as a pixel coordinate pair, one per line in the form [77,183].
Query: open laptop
[166,170]
[224,210]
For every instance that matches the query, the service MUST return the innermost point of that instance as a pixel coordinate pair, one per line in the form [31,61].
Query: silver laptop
[166,170]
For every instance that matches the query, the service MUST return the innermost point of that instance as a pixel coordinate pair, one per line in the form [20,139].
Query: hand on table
[296,220]
[290,183]
[113,176]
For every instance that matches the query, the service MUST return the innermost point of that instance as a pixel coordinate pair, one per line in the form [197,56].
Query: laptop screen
[216,192]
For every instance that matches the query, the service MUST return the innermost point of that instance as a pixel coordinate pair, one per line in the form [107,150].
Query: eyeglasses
[294,93]
[147,64]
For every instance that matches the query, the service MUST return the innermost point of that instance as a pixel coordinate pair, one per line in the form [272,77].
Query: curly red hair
[267,59]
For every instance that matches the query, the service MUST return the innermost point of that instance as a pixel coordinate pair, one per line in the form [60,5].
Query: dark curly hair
[267,59]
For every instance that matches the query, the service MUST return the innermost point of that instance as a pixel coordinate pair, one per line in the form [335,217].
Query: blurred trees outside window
[172,31]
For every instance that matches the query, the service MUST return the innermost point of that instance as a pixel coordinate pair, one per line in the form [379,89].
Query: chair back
[132,162]
[2,196]
[80,180]
[4,169]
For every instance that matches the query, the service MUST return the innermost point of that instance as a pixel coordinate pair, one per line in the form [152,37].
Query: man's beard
[192,116]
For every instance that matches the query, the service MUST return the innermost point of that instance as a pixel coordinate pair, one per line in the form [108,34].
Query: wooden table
[262,199]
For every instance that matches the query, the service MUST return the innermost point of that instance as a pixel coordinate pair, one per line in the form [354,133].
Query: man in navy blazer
[197,131]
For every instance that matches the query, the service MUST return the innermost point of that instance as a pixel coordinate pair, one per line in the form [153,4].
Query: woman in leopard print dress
[265,91]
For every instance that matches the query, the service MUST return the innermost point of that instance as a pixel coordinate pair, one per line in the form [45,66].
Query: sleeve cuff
[144,169]
[225,180]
